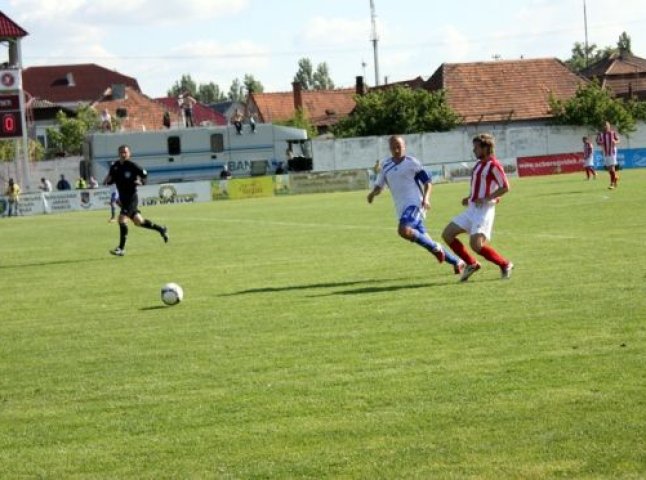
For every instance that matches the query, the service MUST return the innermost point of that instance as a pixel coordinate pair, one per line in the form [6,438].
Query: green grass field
[314,343]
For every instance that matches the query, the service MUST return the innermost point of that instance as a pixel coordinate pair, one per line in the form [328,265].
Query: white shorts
[610,160]
[588,162]
[477,219]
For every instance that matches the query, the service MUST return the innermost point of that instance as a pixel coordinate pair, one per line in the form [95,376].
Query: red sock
[494,257]
[460,250]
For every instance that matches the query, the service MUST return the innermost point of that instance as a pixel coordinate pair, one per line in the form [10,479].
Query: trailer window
[217,143]
[174,146]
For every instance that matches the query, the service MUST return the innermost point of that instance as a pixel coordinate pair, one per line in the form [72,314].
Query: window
[174,146]
[217,143]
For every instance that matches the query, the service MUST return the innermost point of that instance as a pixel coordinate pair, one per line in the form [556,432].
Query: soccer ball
[172,294]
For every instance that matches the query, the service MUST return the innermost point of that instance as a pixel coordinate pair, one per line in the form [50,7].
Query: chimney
[360,87]
[70,80]
[298,95]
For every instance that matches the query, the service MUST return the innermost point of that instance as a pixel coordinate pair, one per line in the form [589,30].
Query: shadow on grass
[155,307]
[287,288]
[84,261]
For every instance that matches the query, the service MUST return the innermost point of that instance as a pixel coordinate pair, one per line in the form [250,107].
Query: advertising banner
[626,158]
[336,181]
[550,164]
[99,198]
[253,187]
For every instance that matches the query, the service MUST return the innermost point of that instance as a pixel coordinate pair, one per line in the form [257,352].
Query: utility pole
[374,38]
[585,26]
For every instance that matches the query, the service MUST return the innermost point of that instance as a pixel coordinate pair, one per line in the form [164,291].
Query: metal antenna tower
[374,38]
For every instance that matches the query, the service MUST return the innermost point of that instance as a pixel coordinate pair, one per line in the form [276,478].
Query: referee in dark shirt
[126,175]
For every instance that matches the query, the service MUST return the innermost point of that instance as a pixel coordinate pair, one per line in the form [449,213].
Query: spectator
[45,185]
[225,176]
[252,122]
[187,102]
[106,121]
[237,121]
[93,183]
[13,196]
[80,184]
[280,170]
[166,119]
[114,201]
[63,184]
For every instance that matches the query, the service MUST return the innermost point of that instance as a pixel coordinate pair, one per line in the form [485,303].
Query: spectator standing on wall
[608,140]
[106,121]
[237,121]
[187,102]
[588,159]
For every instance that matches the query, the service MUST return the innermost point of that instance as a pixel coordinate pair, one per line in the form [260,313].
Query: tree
[578,62]
[305,75]
[301,120]
[321,78]
[185,83]
[398,110]
[236,91]
[592,106]
[624,44]
[252,85]
[68,137]
[209,93]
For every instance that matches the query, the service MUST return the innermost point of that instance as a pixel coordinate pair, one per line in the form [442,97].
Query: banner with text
[550,164]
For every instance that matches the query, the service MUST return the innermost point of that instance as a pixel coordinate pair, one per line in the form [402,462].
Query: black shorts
[130,206]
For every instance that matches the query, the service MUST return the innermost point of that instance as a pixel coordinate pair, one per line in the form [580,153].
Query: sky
[158,41]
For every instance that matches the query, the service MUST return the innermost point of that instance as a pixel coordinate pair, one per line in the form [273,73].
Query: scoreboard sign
[10,118]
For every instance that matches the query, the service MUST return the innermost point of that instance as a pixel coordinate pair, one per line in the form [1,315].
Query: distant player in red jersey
[588,159]
[488,184]
[608,140]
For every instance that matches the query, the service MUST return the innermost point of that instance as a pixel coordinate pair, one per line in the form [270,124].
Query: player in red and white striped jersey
[588,159]
[488,184]
[608,140]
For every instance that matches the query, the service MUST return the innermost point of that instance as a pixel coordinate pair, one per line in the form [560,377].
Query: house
[227,109]
[202,115]
[324,108]
[71,85]
[623,73]
[132,109]
[505,91]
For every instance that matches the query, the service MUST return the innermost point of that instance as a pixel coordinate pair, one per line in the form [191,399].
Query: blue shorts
[413,217]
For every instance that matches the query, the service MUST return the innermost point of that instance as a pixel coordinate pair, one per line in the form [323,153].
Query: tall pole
[585,26]
[374,38]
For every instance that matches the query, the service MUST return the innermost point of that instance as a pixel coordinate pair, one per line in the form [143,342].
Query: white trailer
[200,153]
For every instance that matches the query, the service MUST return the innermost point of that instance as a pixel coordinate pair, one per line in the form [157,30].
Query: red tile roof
[201,113]
[10,29]
[624,73]
[143,113]
[323,107]
[73,83]
[504,90]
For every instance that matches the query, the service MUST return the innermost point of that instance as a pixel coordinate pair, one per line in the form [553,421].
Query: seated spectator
[63,184]
[81,184]
[237,121]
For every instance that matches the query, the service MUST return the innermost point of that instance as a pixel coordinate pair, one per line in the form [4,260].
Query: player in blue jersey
[410,187]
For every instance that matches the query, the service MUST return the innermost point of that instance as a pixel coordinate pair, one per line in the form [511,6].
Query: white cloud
[335,31]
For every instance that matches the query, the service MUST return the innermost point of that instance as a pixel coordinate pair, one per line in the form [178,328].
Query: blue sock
[425,242]
[450,257]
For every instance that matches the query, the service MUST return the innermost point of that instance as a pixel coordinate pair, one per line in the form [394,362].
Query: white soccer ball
[172,294]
